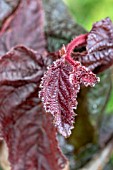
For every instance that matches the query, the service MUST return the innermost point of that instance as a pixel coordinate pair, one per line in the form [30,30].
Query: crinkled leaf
[58,96]
[99,46]
[100,36]
[60,28]
[84,76]
[7,7]
[24,27]
[60,86]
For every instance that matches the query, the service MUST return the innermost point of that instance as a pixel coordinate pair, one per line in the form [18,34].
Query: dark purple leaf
[99,46]
[24,27]
[60,86]
[26,128]
[100,36]
[21,64]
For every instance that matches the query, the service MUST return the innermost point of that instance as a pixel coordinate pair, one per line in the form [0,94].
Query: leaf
[100,35]
[24,27]
[21,64]
[58,96]
[26,128]
[7,8]
[99,46]
[84,76]
[59,30]
[60,86]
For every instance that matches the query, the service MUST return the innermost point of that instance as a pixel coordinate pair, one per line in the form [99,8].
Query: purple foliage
[99,48]
[27,129]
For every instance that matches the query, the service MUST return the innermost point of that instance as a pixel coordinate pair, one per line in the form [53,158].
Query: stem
[78,41]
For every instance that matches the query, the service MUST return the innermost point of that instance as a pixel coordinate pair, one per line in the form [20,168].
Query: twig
[100,160]
[4,163]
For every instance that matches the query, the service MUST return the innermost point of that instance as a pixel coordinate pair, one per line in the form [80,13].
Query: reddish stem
[78,41]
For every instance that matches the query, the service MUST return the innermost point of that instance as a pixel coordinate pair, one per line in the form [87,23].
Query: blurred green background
[87,12]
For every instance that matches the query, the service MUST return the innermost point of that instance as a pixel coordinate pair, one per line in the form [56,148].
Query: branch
[4,163]
[100,160]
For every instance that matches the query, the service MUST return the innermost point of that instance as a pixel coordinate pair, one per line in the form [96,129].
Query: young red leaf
[84,76]
[60,86]
[24,27]
[58,96]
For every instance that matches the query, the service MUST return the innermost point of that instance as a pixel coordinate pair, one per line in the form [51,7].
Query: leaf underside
[60,86]
[58,96]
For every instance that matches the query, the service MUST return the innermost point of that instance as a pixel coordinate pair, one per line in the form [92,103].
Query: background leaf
[24,27]
[22,64]
[60,28]
[98,97]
